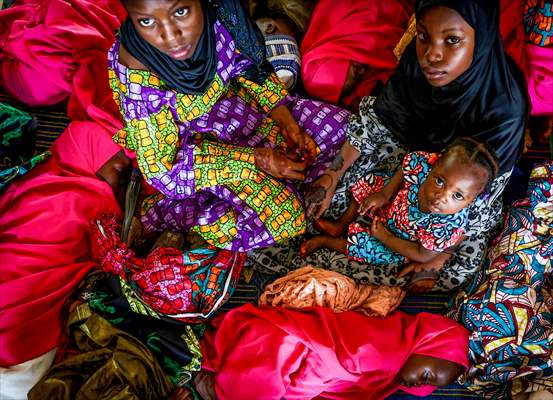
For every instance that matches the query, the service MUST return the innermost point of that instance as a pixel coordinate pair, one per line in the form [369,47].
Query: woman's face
[173,27]
[425,370]
[445,45]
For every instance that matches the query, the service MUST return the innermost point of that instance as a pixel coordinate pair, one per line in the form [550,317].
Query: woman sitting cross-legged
[214,130]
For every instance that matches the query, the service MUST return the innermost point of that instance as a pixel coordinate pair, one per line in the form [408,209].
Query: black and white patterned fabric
[380,151]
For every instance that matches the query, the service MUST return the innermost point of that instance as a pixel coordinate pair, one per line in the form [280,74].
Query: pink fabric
[540,79]
[45,239]
[274,353]
[55,49]
[350,30]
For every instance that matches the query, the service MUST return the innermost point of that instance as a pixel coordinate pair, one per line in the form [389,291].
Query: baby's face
[451,186]
[276,26]
[422,370]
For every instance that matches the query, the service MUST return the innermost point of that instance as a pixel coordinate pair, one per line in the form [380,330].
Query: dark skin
[115,172]
[419,370]
[445,47]
[356,73]
[277,26]
[174,27]
[452,184]
[422,370]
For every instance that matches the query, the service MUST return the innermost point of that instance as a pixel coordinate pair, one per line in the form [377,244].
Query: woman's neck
[128,60]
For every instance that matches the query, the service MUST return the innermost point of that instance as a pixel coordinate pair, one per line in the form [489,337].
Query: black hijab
[488,101]
[195,75]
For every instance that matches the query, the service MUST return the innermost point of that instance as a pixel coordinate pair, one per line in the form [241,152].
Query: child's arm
[412,250]
[376,200]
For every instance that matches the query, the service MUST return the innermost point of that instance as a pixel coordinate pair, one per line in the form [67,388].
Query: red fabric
[274,353]
[511,27]
[351,30]
[55,49]
[44,235]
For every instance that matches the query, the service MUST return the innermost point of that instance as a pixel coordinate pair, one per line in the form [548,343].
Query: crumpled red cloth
[45,245]
[51,50]
[274,352]
[186,285]
[351,30]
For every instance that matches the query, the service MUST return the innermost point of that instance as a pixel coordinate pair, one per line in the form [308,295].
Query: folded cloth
[112,365]
[309,286]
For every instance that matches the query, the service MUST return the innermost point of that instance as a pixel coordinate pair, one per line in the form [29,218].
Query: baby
[428,211]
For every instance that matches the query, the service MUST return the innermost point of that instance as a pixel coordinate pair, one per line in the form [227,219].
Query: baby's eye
[146,22]
[453,40]
[439,181]
[181,12]
[458,196]
[421,36]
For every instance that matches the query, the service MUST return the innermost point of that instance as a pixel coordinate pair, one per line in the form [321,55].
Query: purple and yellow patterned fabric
[508,307]
[197,150]
[404,218]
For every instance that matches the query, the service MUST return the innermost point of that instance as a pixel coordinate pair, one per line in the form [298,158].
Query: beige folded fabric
[309,286]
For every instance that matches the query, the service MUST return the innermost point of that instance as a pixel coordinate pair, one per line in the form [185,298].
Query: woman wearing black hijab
[453,80]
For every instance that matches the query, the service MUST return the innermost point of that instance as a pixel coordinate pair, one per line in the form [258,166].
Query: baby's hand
[372,203]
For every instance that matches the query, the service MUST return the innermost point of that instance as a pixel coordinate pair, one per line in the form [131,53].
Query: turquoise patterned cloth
[508,307]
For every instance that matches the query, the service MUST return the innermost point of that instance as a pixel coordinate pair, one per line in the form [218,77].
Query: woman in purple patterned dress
[214,130]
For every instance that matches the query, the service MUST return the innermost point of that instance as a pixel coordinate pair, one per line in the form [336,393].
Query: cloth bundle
[309,287]
[187,285]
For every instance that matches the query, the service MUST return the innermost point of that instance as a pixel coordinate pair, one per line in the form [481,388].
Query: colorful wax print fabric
[538,21]
[508,306]
[197,150]
[186,285]
[434,232]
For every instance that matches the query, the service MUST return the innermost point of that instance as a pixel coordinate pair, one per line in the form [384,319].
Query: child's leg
[320,241]
[338,228]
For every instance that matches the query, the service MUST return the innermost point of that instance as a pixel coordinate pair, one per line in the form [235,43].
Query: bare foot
[332,228]
[312,245]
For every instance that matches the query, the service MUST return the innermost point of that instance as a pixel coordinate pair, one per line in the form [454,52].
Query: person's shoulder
[128,60]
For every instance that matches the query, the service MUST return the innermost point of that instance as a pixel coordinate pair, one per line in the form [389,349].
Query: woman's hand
[372,203]
[318,195]
[297,139]
[275,163]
